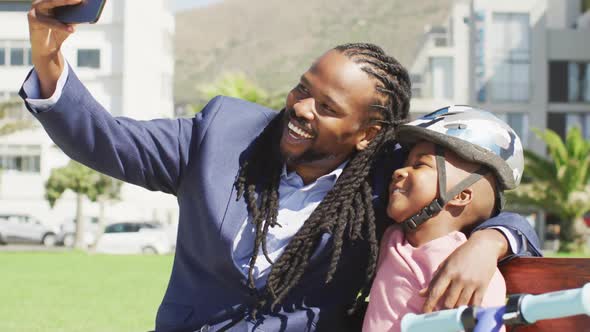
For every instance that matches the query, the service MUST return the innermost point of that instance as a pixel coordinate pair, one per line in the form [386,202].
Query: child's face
[415,185]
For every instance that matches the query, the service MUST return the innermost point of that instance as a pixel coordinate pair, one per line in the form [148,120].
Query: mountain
[274,41]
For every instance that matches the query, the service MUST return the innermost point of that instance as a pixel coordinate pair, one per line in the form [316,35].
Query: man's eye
[302,88]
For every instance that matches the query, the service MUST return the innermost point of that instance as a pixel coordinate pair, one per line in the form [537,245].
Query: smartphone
[88,11]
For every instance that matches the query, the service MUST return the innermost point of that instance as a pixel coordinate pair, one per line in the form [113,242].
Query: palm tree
[84,182]
[560,185]
[237,85]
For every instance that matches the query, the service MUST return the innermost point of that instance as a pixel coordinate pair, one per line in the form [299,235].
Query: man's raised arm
[47,35]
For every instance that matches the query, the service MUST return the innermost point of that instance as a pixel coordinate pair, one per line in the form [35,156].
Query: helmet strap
[500,201]
[438,203]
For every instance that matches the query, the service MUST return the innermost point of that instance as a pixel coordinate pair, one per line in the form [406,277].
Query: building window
[15,53]
[520,123]
[561,123]
[578,82]
[14,6]
[20,158]
[89,58]
[417,85]
[510,51]
[17,57]
[569,81]
[573,81]
[441,69]
[558,81]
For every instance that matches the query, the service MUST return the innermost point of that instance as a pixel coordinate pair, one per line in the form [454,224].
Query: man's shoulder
[237,108]
[225,117]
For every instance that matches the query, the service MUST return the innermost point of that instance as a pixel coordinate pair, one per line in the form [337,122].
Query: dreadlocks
[346,211]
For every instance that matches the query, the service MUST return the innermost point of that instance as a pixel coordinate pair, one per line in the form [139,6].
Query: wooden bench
[534,275]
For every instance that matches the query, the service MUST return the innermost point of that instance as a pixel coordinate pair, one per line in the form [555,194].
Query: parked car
[24,228]
[134,238]
[67,232]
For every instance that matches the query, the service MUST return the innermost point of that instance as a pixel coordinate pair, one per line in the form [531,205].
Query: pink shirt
[403,270]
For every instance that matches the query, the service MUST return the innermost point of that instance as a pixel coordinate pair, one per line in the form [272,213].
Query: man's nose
[305,108]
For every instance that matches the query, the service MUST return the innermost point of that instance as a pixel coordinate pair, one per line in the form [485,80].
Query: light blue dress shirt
[296,203]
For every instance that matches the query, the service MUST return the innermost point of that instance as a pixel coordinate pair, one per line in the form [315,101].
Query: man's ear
[463,198]
[367,136]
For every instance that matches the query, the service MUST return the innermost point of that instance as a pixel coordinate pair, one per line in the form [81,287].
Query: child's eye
[326,108]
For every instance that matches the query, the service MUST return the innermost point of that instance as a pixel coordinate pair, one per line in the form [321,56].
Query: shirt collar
[292,178]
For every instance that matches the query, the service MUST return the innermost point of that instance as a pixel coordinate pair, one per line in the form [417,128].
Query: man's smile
[298,132]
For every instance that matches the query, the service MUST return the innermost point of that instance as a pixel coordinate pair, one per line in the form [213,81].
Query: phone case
[86,12]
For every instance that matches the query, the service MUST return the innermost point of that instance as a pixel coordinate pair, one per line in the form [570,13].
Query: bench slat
[534,275]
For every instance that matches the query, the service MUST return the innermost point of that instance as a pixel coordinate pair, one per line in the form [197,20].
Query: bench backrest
[534,275]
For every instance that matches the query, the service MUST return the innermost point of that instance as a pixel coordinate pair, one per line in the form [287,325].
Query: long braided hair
[347,209]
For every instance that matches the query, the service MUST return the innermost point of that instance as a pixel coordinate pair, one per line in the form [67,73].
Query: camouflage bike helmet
[476,136]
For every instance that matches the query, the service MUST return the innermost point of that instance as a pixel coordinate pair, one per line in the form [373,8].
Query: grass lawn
[74,291]
[578,254]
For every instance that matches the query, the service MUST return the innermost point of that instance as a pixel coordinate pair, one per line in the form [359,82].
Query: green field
[576,254]
[72,291]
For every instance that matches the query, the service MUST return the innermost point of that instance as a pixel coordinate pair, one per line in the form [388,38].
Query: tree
[560,185]
[238,86]
[84,182]
[8,126]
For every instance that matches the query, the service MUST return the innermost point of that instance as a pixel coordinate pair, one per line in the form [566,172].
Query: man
[276,218]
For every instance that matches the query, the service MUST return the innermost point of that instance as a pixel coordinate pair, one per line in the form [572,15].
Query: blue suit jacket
[197,160]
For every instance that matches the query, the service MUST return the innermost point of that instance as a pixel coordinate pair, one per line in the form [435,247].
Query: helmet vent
[456,126]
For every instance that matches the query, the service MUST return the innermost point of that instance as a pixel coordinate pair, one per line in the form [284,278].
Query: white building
[126,60]
[526,60]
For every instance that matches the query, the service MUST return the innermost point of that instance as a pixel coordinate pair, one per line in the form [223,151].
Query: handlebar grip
[565,303]
[444,321]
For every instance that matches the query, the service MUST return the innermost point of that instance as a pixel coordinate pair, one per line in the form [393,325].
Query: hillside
[274,41]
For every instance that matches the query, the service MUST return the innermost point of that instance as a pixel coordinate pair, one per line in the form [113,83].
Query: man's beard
[309,156]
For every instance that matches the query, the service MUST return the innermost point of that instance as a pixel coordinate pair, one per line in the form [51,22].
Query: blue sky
[187,4]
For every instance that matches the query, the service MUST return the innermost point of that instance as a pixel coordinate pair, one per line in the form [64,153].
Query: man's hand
[47,35]
[463,278]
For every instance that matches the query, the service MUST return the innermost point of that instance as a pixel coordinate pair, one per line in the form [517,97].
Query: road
[30,248]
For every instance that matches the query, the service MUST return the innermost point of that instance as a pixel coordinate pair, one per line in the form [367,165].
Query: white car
[134,238]
[67,232]
[24,228]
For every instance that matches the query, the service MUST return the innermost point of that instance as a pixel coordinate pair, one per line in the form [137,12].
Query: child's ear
[463,198]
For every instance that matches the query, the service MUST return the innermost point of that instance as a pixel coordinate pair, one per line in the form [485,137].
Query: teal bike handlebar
[569,302]
[443,321]
[531,308]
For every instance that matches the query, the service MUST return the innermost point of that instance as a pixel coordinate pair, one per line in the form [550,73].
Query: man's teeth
[397,190]
[298,131]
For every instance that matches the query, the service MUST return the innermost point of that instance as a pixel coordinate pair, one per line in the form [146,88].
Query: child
[474,154]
